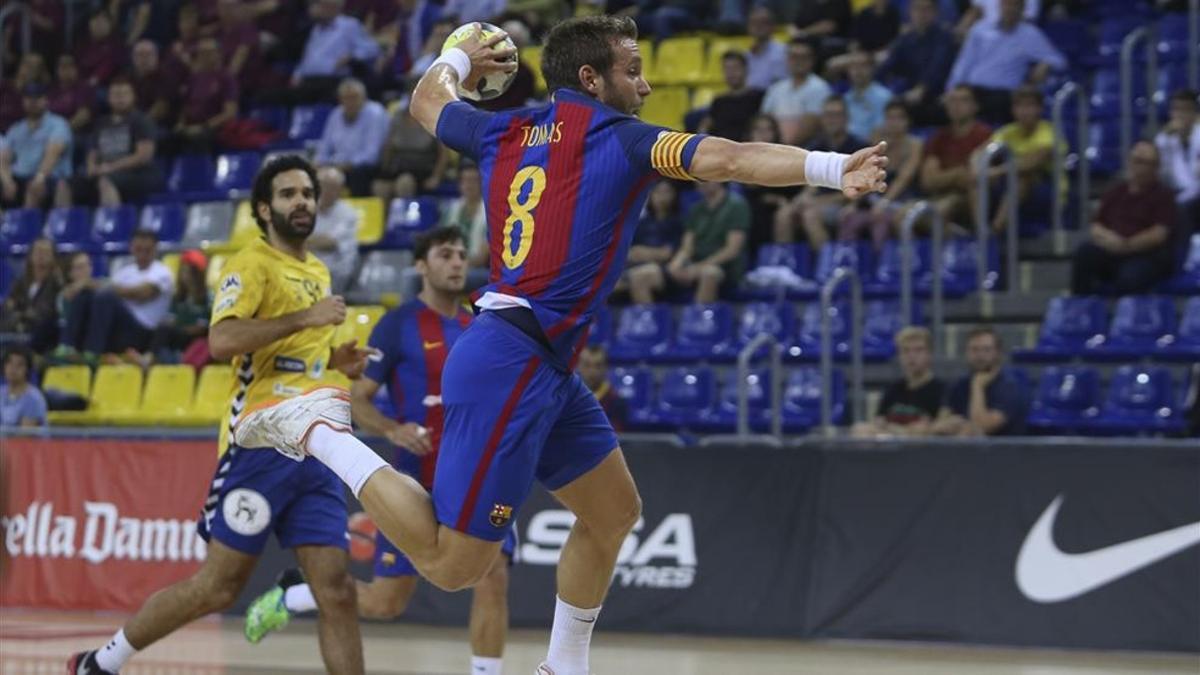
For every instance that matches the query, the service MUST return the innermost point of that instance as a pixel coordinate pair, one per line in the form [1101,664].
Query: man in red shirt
[1128,251]
[946,174]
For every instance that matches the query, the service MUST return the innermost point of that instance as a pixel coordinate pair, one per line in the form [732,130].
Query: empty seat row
[166,395]
[1138,401]
[1141,326]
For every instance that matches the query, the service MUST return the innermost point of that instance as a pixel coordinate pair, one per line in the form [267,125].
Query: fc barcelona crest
[500,515]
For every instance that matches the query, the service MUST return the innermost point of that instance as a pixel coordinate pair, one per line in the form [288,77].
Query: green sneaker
[266,614]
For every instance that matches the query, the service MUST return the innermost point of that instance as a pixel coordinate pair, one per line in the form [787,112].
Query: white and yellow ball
[493,84]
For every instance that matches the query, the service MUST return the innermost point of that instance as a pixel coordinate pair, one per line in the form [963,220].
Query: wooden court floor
[37,643]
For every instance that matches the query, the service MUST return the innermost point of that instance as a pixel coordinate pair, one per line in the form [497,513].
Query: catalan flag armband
[667,154]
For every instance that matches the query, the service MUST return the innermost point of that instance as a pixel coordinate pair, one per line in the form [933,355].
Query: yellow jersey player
[274,318]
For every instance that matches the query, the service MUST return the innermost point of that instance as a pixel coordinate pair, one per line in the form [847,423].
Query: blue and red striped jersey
[414,341]
[564,184]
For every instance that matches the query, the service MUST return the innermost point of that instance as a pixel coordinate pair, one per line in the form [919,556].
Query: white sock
[345,455]
[570,638]
[486,665]
[112,656]
[299,598]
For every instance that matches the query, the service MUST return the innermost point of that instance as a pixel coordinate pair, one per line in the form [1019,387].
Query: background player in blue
[564,183]
[414,340]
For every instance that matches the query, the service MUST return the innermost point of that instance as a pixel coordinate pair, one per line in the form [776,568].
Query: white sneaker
[285,425]
[543,669]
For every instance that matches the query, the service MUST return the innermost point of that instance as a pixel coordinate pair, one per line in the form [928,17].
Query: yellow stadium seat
[646,49]
[370,218]
[243,231]
[212,275]
[213,392]
[679,61]
[532,58]
[116,394]
[73,380]
[666,106]
[702,97]
[167,398]
[716,50]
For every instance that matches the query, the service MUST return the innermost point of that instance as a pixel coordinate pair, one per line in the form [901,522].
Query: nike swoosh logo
[1046,574]
[431,345]
[593,620]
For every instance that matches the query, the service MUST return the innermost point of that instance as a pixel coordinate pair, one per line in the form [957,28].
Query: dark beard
[286,230]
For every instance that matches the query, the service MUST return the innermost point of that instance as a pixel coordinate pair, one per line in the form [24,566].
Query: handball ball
[493,84]
[362,537]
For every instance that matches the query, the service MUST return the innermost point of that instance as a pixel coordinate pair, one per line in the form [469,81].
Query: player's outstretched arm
[470,60]
[773,165]
[229,337]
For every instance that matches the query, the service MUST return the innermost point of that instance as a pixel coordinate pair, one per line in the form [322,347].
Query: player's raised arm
[770,164]
[470,60]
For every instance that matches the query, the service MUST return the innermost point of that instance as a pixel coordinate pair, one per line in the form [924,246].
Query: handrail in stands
[839,276]
[938,318]
[1083,169]
[26,37]
[1194,44]
[983,206]
[1147,34]
[743,390]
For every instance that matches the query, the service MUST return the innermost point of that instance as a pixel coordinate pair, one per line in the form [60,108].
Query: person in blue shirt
[988,401]
[919,62]
[21,404]
[353,137]
[36,155]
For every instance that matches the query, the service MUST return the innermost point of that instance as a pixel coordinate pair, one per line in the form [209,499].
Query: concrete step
[1047,246]
[1044,274]
[1001,307]
[1015,335]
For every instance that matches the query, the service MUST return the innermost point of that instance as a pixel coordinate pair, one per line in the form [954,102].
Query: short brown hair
[979,331]
[583,41]
[913,333]
[1027,95]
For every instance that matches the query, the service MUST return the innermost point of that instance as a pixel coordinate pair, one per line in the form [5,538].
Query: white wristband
[825,169]
[456,59]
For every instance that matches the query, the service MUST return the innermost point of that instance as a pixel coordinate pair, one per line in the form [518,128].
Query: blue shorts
[510,417]
[259,491]
[391,561]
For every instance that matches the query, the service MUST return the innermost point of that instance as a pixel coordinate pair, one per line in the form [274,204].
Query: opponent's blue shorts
[391,561]
[258,491]
[510,417]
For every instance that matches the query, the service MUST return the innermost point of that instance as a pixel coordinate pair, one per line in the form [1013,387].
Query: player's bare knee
[455,575]
[493,587]
[334,592]
[217,591]
[385,602]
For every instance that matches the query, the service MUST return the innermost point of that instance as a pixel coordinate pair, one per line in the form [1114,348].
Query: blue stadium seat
[1140,401]
[636,387]
[7,276]
[235,173]
[308,123]
[807,345]
[1187,281]
[273,116]
[777,319]
[704,332]
[1138,322]
[1173,38]
[1103,151]
[166,220]
[18,229]
[882,319]
[1067,401]
[1070,323]
[1112,32]
[112,227]
[600,331]
[802,399]
[722,416]
[1105,98]
[641,331]
[835,254]
[100,265]
[885,282]
[795,257]
[408,218]
[960,269]
[1184,344]
[70,228]
[685,392]
[191,180]
[1072,37]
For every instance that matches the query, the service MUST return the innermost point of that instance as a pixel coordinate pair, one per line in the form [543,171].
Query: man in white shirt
[796,101]
[766,60]
[123,314]
[1179,145]
[335,237]
[353,136]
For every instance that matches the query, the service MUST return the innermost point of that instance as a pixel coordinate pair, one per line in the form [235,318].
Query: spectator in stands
[875,28]
[120,158]
[353,137]
[239,40]
[411,159]
[468,214]
[442,28]
[38,153]
[664,18]
[919,62]
[31,304]
[187,38]
[946,174]
[654,243]
[1129,249]
[152,85]
[988,11]
[405,38]
[101,55]
[74,301]
[70,97]
[818,210]
[21,403]
[1179,145]
[765,201]
[826,21]
[187,320]
[335,236]
[133,18]
[335,42]
[524,84]
[1031,140]
[375,15]
[593,370]
[796,101]
[45,22]
[997,57]
[988,401]
[866,99]
[31,69]
[713,251]
[123,314]
[904,160]
[767,58]
[911,403]
[210,99]
[474,10]
[730,113]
